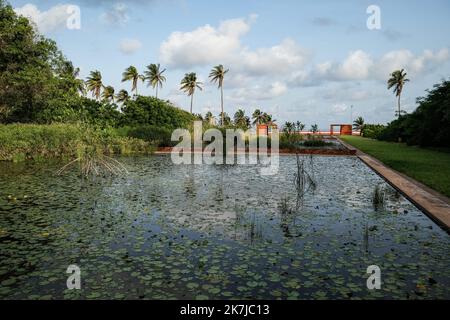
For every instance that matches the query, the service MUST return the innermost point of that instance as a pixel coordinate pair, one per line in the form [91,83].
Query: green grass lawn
[430,167]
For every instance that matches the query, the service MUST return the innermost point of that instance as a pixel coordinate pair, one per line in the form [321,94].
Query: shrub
[159,136]
[153,111]
[373,131]
[27,141]
[316,143]
[428,125]
[290,141]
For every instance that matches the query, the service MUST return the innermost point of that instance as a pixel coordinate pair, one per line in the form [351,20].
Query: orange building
[344,129]
[265,129]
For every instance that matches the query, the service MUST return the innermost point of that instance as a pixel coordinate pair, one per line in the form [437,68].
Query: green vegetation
[359,124]
[217,76]
[153,111]
[189,84]
[316,143]
[397,81]
[29,141]
[418,163]
[373,131]
[155,135]
[427,126]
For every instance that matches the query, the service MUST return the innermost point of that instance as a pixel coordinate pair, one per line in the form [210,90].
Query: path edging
[434,207]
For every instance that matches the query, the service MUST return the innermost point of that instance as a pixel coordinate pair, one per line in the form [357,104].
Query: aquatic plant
[93,151]
[304,177]
[284,207]
[378,198]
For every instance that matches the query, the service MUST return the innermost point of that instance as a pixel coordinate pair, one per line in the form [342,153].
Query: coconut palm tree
[241,120]
[268,119]
[189,84]
[132,74]
[258,117]
[94,83]
[226,119]
[314,128]
[209,117]
[154,76]
[108,93]
[358,124]
[397,81]
[80,86]
[217,75]
[123,96]
[289,127]
[300,126]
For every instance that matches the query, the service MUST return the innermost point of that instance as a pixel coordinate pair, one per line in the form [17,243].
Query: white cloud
[130,46]
[359,65]
[259,92]
[208,45]
[116,15]
[339,108]
[414,65]
[46,21]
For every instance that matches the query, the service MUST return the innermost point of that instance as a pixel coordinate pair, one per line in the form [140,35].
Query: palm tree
[131,74]
[108,94]
[258,117]
[79,84]
[358,124]
[241,120]
[300,126]
[398,80]
[189,84]
[94,83]
[268,119]
[289,127]
[209,117]
[217,75]
[314,128]
[123,96]
[226,119]
[155,77]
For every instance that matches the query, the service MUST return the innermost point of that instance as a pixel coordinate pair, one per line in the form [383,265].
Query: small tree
[358,125]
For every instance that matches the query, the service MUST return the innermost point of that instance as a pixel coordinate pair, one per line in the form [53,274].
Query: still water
[214,232]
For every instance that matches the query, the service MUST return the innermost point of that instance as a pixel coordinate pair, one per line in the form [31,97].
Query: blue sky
[300,60]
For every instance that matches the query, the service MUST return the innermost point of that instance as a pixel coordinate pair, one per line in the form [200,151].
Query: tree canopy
[34,74]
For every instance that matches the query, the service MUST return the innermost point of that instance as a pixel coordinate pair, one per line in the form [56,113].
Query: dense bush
[290,141]
[428,125]
[316,143]
[153,111]
[34,74]
[28,141]
[156,135]
[373,131]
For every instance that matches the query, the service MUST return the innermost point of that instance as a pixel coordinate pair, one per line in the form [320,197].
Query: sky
[317,62]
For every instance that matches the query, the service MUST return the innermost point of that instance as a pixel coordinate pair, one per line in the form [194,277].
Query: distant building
[344,129]
[265,129]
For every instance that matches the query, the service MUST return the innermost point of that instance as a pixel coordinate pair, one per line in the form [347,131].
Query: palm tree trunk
[221,100]
[399,108]
[156,92]
[192,101]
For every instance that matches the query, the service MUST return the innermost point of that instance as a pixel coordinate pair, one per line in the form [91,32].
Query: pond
[214,232]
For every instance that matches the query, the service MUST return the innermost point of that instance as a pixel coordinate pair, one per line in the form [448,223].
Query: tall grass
[19,142]
[379,198]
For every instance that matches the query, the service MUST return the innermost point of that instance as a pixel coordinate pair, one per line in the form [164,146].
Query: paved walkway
[434,204]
